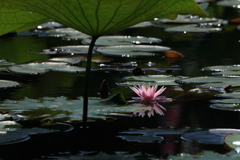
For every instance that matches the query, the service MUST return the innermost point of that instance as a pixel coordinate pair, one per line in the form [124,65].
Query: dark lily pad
[192,28]
[8,83]
[205,155]
[40,68]
[212,136]
[229,3]
[12,137]
[131,50]
[102,156]
[63,109]
[43,128]
[122,40]
[222,68]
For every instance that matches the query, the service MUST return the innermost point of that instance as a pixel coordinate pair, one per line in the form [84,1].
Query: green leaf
[100,17]
[13,19]
[233,141]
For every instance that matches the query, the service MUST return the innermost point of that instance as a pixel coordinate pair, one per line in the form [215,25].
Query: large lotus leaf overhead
[95,17]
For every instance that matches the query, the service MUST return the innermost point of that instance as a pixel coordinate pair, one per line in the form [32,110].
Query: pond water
[115,135]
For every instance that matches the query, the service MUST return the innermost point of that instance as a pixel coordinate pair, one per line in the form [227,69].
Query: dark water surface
[199,50]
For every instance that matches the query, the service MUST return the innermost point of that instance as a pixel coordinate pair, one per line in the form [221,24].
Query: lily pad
[205,155]
[212,136]
[233,142]
[41,68]
[188,19]
[69,59]
[43,128]
[8,83]
[192,28]
[222,68]
[161,80]
[12,137]
[4,64]
[142,25]
[50,25]
[78,49]
[63,109]
[122,40]
[148,135]
[229,3]
[131,50]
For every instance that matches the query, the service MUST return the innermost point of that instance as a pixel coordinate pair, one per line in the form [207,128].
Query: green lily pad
[62,31]
[130,50]
[50,25]
[122,40]
[41,68]
[233,141]
[8,83]
[161,80]
[187,19]
[222,68]
[148,135]
[229,95]
[229,3]
[63,109]
[212,136]
[225,101]
[192,28]
[205,155]
[228,107]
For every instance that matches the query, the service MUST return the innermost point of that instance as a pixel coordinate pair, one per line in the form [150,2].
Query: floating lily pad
[212,136]
[142,25]
[40,68]
[229,95]
[131,50]
[233,142]
[122,40]
[212,82]
[205,155]
[222,68]
[148,135]
[63,109]
[4,64]
[8,83]
[50,25]
[192,28]
[78,49]
[103,156]
[43,128]
[187,19]
[229,3]
[161,80]
[69,59]
[12,137]
[62,31]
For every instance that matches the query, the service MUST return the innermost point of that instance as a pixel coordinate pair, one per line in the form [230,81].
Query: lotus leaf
[7,83]
[233,142]
[131,50]
[74,49]
[63,109]
[229,3]
[122,40]
[12,137]
[95,17]
[192,28]
[212,136]
[206,155]
[40,68]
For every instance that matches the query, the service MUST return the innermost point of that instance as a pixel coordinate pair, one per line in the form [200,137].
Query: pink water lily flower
[150,93]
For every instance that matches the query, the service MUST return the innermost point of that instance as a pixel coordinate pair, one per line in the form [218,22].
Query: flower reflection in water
[149,97]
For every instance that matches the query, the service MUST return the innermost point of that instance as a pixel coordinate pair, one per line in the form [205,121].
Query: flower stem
[86,83]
